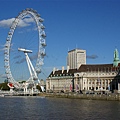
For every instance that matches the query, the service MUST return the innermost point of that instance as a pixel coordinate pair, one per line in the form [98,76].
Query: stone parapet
[115,97]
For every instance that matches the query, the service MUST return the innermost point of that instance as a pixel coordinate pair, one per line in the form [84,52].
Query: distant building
[75,58]
[87,78]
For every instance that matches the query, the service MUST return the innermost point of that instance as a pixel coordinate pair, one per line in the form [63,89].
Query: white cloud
[28,20]
[22,23]
[7,22]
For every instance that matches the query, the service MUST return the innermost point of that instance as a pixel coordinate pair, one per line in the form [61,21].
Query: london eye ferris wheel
[24,55]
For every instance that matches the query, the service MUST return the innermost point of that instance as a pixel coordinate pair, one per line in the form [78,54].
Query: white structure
[75,58]
[39,47]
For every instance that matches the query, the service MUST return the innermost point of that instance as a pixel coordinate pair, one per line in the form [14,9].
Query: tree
[4,86]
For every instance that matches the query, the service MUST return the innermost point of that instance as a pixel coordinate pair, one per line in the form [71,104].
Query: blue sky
[93,25]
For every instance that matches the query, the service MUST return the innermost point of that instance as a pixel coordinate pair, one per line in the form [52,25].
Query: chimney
[53,70]
[68,69]
[62,69]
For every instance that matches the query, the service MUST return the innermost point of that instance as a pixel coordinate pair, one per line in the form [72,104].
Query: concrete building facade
[75,58]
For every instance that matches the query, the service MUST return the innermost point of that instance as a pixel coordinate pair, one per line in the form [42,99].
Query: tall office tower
[75,58]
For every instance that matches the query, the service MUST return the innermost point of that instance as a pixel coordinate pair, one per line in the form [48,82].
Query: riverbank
[114,97]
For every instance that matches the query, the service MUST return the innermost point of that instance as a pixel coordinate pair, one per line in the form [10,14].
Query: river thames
[37,108]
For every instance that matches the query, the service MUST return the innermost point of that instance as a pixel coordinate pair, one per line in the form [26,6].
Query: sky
[92,25]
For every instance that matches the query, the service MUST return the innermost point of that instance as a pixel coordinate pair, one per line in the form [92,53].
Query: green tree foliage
[4,86]
[39,88]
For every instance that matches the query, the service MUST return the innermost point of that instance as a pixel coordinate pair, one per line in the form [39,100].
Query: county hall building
[82,77]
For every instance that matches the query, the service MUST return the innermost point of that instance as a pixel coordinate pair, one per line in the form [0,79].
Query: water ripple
[37,108]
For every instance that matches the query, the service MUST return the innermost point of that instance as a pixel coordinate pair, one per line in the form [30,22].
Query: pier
[19,93]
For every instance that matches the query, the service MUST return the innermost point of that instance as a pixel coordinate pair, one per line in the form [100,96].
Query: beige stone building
[87,78]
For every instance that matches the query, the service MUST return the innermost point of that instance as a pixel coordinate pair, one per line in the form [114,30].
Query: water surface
[37,108]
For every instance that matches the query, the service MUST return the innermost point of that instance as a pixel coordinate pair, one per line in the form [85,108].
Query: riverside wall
[114,97]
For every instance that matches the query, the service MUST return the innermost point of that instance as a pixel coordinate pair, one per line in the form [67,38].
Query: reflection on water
[37,108]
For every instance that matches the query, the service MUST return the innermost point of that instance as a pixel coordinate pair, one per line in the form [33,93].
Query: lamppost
[58,85]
